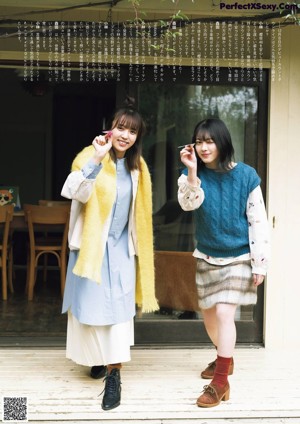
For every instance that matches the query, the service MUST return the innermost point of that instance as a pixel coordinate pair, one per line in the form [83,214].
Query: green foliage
[180,16]
[169,34]
[135,3]
[293,16]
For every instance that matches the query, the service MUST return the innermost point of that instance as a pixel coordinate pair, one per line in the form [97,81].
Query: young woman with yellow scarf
[110,268]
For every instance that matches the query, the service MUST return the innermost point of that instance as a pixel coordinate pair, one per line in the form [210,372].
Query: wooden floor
[159,386]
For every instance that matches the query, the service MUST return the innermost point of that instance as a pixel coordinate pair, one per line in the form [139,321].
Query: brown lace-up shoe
[209,371]
[213,395]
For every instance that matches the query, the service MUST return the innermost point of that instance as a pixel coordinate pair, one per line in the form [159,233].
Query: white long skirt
[99,345]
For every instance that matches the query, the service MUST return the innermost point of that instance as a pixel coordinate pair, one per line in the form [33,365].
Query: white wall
[282,312]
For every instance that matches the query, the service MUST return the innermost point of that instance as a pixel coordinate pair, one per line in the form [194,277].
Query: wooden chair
[42,222]
[50,203]
[6,258]
[175,285]
[44,202]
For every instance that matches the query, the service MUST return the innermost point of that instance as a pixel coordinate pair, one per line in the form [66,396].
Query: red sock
[221,371]
[111,366]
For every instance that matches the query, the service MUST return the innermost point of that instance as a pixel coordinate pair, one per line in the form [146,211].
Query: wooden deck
[159,386]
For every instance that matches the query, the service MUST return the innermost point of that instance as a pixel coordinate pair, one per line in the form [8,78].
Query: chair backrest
[6,216]
[47,217]
[39,214]
[44,202]
[175,280]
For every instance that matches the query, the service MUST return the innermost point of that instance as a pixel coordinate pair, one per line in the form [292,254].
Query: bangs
[202,134]
[132,121]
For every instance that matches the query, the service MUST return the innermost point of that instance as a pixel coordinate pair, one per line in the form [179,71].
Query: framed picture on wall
[10,195]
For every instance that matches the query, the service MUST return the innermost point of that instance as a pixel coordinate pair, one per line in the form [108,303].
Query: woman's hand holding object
[102,144]
[188,156]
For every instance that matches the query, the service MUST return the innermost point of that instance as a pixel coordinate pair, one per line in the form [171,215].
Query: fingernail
[108,134]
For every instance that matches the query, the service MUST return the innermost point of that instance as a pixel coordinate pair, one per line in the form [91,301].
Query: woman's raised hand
[102,144]
[188,156]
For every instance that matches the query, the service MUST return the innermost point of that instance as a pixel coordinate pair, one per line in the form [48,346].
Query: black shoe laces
[112,384]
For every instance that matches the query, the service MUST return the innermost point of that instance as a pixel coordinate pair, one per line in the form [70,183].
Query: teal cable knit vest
[221,220]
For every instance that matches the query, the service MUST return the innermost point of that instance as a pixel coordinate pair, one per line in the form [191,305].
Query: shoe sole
[205,405]
[105,408]
[207,377]
[224,398]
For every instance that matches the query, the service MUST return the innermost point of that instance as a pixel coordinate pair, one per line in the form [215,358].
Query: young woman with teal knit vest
[110,268]
[232,236]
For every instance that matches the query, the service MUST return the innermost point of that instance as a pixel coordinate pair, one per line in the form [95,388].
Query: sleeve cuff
[194,188]
[258,270]
[183,180]
[91,170]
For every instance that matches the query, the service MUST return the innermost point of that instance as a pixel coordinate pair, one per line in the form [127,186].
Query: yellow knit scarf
[96,212]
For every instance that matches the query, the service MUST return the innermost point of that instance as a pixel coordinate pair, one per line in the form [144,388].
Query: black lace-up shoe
[112,390]
[98,371]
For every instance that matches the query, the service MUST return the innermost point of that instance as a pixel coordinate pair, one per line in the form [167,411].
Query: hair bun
[129,102]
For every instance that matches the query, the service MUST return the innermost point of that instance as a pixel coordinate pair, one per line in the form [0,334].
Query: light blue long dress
[113,301]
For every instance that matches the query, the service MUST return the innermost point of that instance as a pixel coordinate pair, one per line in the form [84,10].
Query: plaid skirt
[232,283]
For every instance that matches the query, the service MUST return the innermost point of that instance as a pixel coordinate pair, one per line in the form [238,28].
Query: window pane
[171,113]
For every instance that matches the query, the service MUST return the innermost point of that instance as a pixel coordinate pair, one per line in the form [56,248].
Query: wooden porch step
[159,386]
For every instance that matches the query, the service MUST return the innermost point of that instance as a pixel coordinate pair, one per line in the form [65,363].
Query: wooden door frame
[192,332]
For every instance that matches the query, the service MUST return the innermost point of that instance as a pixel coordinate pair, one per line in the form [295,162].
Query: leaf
[179,16]
[135,2]
[163,23]
[176,34]
[155,46]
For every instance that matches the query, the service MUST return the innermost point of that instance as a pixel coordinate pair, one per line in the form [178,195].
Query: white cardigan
[79,187]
